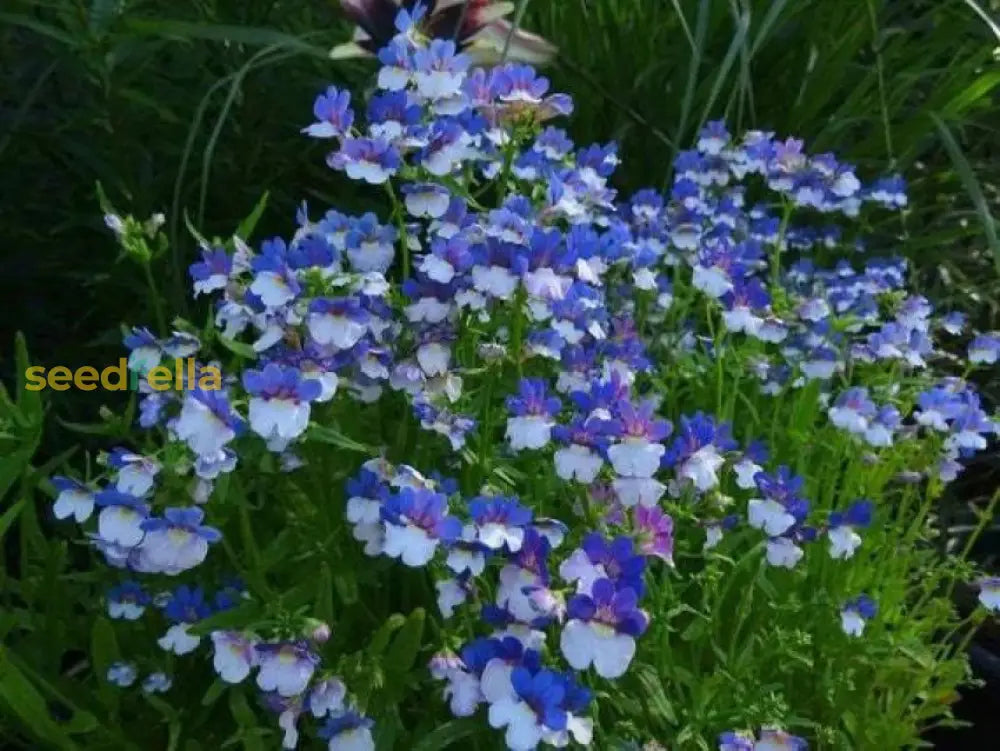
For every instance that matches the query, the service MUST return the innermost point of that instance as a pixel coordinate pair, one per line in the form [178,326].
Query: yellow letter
[60,377]
[121,371]
[86,378]
[210,379]
[35,376]
[160,378]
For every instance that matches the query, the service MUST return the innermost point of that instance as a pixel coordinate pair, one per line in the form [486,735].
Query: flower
[333,112]
[477,27]
[853,410]
[157,683]
[985,349]
[145,351]
[339,323]
[601,629]
[234,655]
[348,731]
[279,403]
[75,499]
[127,601]
[989,593]
[178,541]
[639,452]
[731,741]
[206,422]
[122,674]
[532,410]
[654,531]
[415,522]
[782,507]
[185,606]
[212,272]
[844,540]
[775,739]
[373,160]
[534,708]
[327,697]
[599,558]
[121,517]
[855,613]
[499,522]
[285,667]
[135,473]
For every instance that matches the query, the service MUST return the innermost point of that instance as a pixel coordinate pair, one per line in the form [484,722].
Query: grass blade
[972,187]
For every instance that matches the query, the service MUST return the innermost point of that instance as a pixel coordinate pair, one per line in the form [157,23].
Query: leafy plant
[623,470]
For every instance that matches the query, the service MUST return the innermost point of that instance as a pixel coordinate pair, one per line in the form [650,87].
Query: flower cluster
[534,325]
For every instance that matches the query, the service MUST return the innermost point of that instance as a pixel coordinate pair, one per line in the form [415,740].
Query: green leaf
[17,19]
[380,640]
[246,719]
[28,402]
[10,516]
[655,696]
[24,702]
[406,645]
[216,690]
[103,652]
[347,587]
[247,226]
[325,434]
[238,348]
[972,187]
[241,616]
[249,35]
[447,735]
[324,594]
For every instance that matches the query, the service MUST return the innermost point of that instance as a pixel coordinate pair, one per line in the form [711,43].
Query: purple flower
[985,349]
[234,655]
[127,601]
[144,350]
[136,473]
[333,113]
[654,531]
[499,522]
[279,404]
[373,160]
[601,629]
[853,410]
[855,613]
[285,667]
[75,499]
[416,521]
[782,507]
[599,558]
[534,709]
[212,272]
[178,541]
[842,526]
[348,731]
[439,70]
[696,452]
[274,283]
[478,28]
[121,517]
[530,427]
[207,422]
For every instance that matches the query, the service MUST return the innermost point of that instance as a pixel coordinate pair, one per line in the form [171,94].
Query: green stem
[397,215]
[776,250]
[161,319]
